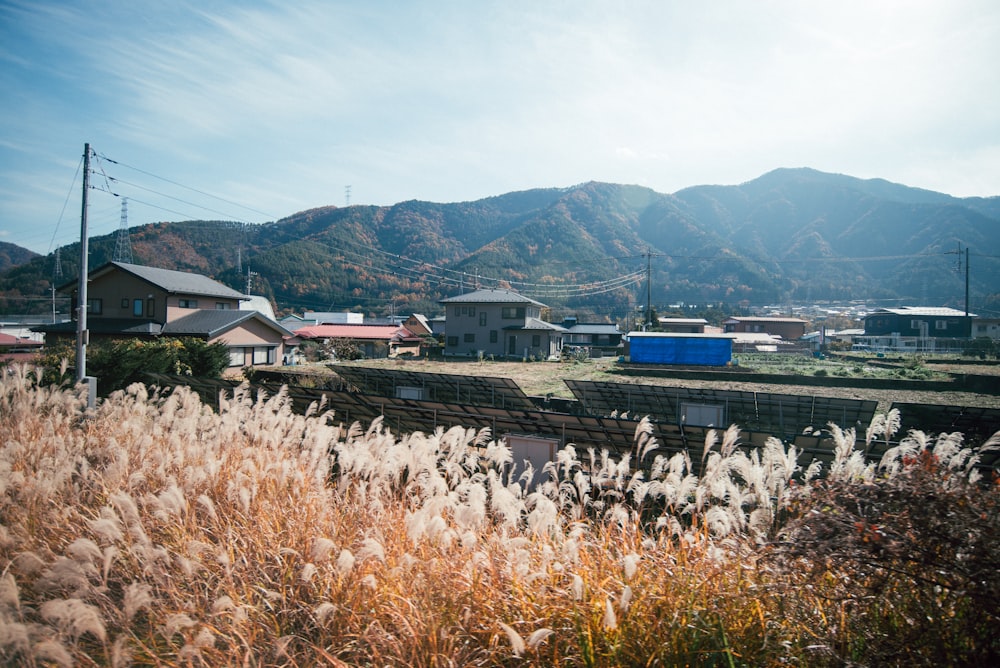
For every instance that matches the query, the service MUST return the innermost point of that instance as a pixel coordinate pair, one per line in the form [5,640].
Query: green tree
[119,363]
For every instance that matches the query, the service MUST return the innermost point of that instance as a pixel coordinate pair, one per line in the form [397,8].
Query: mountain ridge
[792,234]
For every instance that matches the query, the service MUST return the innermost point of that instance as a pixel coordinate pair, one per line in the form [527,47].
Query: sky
[253,111]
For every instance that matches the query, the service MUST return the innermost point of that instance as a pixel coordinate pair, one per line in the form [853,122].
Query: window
[236,357]
[493,336]
[150,307]
[458,311]
[223,306]
[470,337]
[940,324]
[262,355]
[94,306]
[536,340]
[137,307]
[452,341]
[512,312]
[125,302]
[482,319]
[914,324]
[187,303]
[472,311]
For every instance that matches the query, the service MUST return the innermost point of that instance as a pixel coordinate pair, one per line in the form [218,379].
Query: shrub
[914,543]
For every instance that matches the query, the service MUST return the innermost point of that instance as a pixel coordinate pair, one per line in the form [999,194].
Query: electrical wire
[181,185]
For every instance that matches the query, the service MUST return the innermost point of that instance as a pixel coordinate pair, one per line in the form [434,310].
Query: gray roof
[536,324]
[175,282]
[594,328]
[105,326]
[212,322]
[491,296]
[932,311]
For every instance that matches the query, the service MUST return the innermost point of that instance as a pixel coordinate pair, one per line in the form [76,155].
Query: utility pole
[967,282]
[56,280]
[81,322]
[959,254]
[649,292]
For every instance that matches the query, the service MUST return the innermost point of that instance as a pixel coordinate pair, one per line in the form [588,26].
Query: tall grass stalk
[154,530]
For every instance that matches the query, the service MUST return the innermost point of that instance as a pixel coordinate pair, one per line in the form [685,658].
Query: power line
[181,185]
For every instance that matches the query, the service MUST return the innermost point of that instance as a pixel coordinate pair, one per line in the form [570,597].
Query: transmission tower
[57,275]
[123,245]
[347,195]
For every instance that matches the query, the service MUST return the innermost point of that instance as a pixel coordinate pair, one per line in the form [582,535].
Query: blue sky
[254,111]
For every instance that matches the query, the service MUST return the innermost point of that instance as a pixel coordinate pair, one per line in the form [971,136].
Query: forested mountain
[790,235]
[12,255]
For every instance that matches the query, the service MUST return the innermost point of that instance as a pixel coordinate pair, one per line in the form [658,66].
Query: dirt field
[543,378]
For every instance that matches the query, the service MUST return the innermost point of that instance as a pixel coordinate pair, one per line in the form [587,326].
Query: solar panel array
[975,424]
[475,390]
[617,434]
[777,414]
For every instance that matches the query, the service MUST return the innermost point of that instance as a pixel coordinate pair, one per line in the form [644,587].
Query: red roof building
[373,340]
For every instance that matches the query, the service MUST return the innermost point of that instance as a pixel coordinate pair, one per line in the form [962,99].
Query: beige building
[133,301]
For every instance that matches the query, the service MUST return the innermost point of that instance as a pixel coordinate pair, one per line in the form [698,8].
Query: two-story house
[598,339]
[789,329]
[919,321]
[501,323]
[134,301]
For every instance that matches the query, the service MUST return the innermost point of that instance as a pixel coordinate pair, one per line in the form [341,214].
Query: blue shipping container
[652,348]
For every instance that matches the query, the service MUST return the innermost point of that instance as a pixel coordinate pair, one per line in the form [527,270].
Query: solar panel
[976,424]
[617,434]
[475,390]
[777,414]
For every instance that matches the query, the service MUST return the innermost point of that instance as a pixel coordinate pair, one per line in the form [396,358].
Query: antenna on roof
[123,244]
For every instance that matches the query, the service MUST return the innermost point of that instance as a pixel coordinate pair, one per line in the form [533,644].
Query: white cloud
[285,104]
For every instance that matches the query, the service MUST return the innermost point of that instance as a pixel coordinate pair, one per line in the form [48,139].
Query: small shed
[680,349]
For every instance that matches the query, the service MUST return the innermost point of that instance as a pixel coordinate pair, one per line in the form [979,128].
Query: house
[598,339]
[919,321]
[988,328]
[18,348]
[372,340]
[133,301]
[309,318]
[682,325]
[419,324]
[501,323]
[790,329]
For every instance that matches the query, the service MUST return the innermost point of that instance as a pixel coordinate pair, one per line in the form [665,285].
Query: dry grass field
[154,530]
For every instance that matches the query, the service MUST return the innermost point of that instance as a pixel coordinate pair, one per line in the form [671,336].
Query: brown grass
[153,531]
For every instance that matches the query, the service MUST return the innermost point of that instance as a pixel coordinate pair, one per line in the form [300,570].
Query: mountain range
[791,235]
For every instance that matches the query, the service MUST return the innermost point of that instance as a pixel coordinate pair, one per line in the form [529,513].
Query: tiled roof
[939,311]
[8,340]
[212,322]
[594,328]
[762,319]
[175,282]
[683,321]
[536,324]
[491,296]
[105,326]
[379,332]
